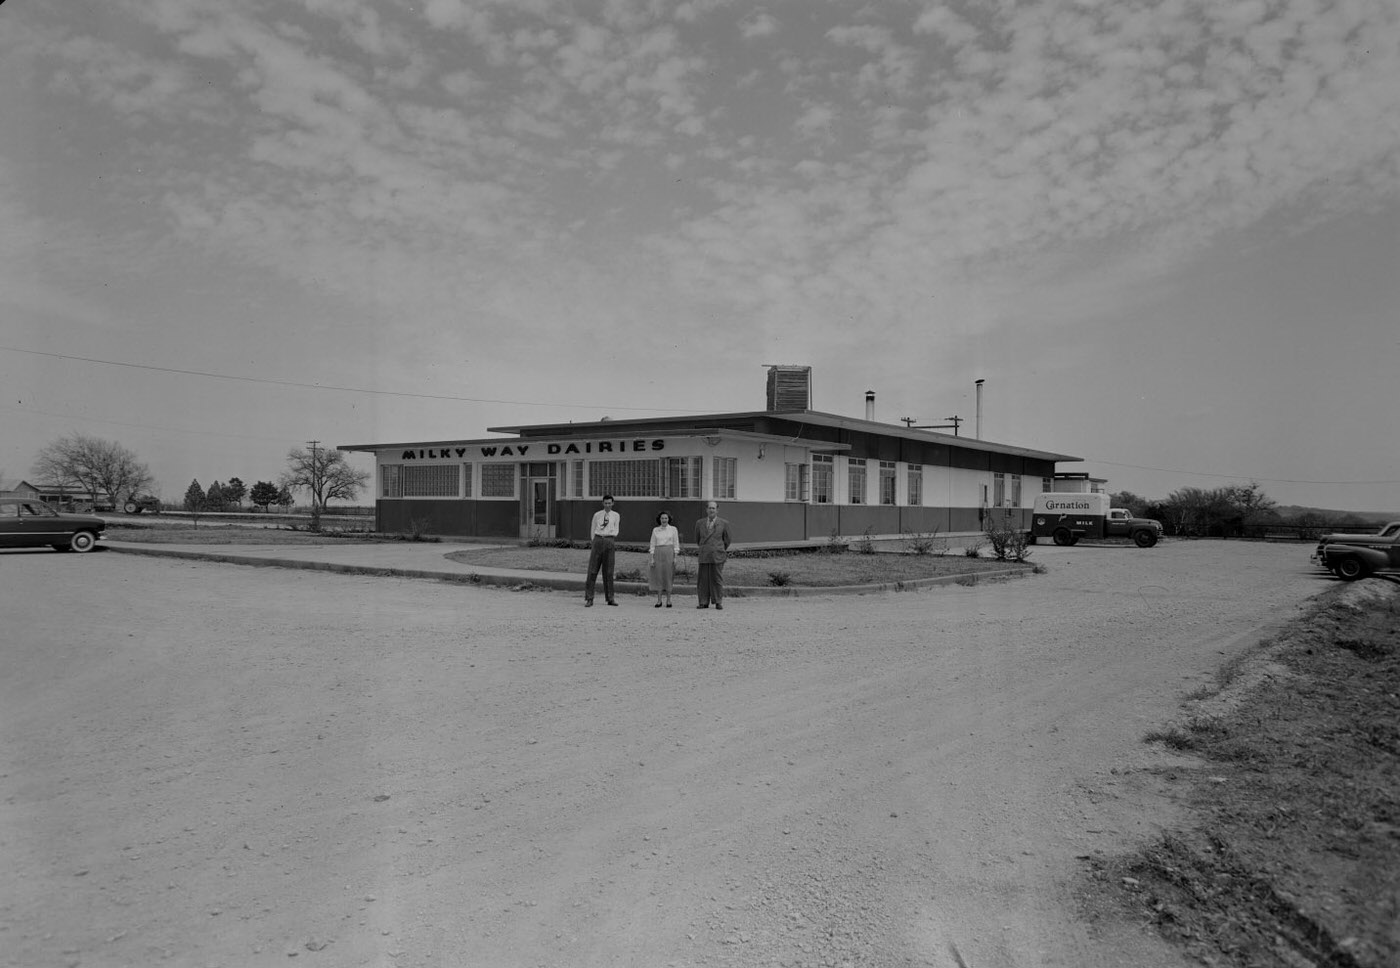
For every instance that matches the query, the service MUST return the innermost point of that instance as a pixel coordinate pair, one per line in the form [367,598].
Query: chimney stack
[870,405]
[979,408]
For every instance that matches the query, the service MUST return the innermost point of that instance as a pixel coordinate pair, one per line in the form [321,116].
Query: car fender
[1375,559]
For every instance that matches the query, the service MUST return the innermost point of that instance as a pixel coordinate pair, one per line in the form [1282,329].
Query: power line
[201,432]
[327,386]
[1237,477]
[526,403]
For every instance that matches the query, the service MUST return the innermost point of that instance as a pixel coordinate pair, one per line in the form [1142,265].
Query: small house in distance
[786,474]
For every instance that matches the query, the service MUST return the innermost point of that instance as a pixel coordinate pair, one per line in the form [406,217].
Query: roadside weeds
[1294,855]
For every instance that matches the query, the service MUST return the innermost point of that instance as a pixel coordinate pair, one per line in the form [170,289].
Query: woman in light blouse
[665,546]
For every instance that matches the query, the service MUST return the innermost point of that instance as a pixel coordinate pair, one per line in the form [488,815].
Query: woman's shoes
[657,605]
[668,604]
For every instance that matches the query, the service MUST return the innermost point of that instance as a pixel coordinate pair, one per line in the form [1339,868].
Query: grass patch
[1293,855]
[810,568]
[238,534]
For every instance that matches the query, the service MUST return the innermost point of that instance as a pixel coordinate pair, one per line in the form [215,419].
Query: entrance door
[537,501]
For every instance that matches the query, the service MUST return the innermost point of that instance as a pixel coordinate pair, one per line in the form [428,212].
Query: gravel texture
[204,764]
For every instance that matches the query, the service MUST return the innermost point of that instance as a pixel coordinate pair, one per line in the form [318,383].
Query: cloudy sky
[1166,234]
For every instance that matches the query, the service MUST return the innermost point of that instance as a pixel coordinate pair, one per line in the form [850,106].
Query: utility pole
[315,483]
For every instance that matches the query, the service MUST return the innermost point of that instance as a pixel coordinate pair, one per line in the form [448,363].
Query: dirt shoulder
[1291,849]
[207,764]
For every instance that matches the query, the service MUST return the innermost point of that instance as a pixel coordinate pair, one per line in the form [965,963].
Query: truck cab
[1066,518]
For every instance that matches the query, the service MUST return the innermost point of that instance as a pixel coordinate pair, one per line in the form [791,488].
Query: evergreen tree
[263,494]
[234,490]
[194,500]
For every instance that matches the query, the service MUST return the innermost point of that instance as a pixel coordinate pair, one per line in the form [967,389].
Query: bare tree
[1250,501]
[101,467]
[326,475]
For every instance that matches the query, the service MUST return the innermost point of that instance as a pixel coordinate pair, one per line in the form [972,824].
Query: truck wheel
[131,507]
[82,541]
[1351,568]
[1063,537]
[1144,538]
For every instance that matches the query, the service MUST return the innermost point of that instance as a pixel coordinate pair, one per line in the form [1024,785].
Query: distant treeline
[1241,511]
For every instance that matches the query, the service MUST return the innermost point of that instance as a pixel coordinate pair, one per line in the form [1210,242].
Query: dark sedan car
[30,523]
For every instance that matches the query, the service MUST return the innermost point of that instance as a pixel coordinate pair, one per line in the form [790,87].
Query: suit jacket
[713,541]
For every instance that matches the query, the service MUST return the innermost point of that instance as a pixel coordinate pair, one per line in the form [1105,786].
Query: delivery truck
[1066,518]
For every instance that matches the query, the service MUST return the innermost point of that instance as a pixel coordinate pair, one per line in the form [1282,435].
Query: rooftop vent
[789,388]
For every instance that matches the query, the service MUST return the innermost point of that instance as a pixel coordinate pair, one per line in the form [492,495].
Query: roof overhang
[710,435]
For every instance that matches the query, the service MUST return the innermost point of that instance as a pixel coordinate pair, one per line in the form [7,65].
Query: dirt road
[205,764]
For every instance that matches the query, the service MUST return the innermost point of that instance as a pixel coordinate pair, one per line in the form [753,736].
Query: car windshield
[36,509]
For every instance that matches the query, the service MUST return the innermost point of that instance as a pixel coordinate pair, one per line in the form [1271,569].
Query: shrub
[1007,540]
[864,545]
[973,550]
[779,578]
[835,543]
[631,574]
[921,543]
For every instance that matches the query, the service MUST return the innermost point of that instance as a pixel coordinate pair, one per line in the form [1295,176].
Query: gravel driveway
[207,764]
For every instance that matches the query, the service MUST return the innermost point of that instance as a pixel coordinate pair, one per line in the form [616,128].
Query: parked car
[30,523]
[1354,556]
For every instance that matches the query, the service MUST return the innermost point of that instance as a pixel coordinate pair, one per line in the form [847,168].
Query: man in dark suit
[712,537]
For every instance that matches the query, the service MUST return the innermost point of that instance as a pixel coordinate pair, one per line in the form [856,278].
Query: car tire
[82,542]
[1063,537]
[1351,568]
[1144,538]
[131,507]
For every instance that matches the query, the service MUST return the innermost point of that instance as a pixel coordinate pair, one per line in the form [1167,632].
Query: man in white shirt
[603,553]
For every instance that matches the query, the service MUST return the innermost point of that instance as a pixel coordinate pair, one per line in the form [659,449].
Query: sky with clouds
[1166,234]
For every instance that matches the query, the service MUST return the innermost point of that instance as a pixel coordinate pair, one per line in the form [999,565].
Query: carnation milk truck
[1065,518]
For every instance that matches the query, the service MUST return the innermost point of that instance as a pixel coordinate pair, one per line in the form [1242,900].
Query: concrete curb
[551,580]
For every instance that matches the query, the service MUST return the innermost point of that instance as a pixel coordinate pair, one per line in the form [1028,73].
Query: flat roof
[814,418]
[603,432]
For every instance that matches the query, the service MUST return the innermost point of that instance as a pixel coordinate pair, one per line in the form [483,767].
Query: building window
[498,480]
[823,478]
[1016,490]
[795,488]
[916,485]
[886,482]
[431,480]
[855,476]
[726,478]
[391,480]
[682,477]
[1046,485]
[625,478]
[577,490]
[998,490]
